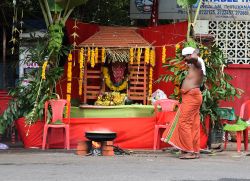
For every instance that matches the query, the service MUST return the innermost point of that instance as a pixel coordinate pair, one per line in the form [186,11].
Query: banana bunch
[56,37]
[111,99]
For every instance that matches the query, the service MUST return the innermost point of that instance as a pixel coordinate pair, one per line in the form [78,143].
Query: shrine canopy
[116,37]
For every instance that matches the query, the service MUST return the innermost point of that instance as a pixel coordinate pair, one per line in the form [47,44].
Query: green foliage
[112,12]
[217,82]
[29,98]
[70,3]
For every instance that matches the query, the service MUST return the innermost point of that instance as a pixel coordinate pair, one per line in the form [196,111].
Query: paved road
[53,165]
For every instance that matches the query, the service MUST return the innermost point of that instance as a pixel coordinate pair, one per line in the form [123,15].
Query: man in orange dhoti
[184,133]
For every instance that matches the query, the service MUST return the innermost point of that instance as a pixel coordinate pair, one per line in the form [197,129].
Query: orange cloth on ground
[184,133]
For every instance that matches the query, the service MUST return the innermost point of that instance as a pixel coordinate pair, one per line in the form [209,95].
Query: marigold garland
[131,55]
[150,81]
[69,72]
[81,67]
[88,55]
[138,58]
[103,55]
[96,55]
[109,83]
[92,59]
[69,79]
[163,54]
[44,70]
[147,55]
[152,57]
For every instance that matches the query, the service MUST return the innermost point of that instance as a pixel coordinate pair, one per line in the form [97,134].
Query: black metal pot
[99,136]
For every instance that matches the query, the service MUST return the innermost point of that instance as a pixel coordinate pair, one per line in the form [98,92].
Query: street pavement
[17,164]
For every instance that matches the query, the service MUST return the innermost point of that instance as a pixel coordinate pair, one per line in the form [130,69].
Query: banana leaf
[186,3]
[59,5]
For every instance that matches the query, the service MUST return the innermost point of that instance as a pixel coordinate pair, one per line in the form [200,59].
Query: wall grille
[233,37]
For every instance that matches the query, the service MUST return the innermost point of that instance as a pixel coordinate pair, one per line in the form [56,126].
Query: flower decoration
[147,55]
[131,55]
[138,57]
[81,67]
[44,70]
[103,55]
[163,54]
[109,83]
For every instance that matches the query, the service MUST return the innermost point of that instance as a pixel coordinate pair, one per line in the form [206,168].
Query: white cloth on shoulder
[203,67]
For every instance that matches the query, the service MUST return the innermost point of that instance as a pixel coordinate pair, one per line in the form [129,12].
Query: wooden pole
[4,57]
[154,13]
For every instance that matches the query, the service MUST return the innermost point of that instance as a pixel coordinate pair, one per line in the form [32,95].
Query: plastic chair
[162,122]
[57,120]
[239,127]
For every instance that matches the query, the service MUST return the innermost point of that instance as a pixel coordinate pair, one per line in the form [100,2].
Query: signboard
[225,10]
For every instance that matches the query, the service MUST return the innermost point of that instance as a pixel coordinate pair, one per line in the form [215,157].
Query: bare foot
[187,156]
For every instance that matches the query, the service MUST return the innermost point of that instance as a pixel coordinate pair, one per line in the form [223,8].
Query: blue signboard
[226,10]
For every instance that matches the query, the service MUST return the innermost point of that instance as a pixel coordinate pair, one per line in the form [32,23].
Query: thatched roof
[121,37]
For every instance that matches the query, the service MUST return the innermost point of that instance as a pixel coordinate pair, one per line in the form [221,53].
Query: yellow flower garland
[103,55]
[92,59]
[147,56]
[44,70]
[96,55]
[81,67]
[69,78]
[131,55]
[138,58]
[163,54]
[152,57]
[109,83]
[150,81]
[88,55]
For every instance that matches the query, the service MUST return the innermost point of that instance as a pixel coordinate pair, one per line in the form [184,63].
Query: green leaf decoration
[186,3]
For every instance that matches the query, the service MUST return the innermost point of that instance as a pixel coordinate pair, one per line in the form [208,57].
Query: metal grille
[233,37]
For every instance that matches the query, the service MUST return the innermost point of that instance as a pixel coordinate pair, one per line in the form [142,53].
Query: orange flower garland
[81,67]
[163,54]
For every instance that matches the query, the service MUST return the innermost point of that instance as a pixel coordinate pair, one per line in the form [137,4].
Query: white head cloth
[190,51]
[187,51]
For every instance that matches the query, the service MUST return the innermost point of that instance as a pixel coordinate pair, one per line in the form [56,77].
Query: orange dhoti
[184,132]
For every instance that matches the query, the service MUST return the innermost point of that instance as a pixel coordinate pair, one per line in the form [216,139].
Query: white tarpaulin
[225,10]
